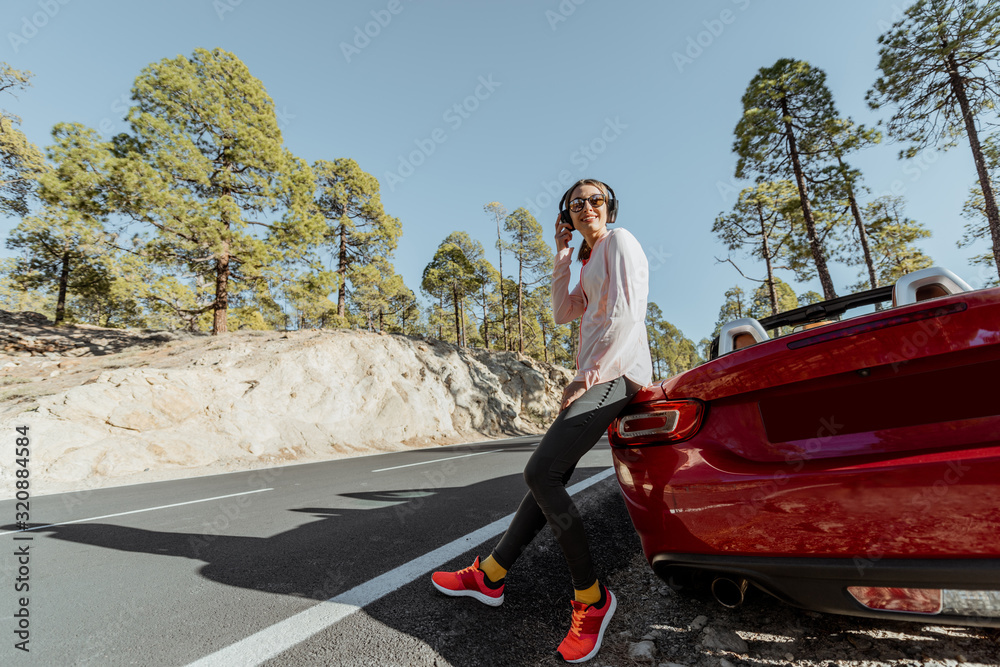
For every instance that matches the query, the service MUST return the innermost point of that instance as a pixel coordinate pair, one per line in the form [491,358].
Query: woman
[613,363]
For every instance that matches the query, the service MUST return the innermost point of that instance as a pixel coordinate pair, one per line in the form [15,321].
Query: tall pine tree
[784,109]
[205,168]
[939,70]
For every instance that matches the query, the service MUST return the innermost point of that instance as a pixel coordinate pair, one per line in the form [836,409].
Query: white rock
[320,394]
[699,622]
[643,651]
[723,640]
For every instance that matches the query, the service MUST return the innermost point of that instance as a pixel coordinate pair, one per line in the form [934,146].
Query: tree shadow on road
[354,537]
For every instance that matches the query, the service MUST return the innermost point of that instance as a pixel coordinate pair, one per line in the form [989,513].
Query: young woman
[613,363]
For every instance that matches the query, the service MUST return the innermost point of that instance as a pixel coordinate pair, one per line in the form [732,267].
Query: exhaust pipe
[729,592]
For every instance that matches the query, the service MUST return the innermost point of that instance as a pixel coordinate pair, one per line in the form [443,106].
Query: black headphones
[612,203]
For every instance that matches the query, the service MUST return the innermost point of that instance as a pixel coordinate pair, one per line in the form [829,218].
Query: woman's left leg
[573,433]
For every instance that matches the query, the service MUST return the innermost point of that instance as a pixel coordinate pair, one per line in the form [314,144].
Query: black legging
[572,434]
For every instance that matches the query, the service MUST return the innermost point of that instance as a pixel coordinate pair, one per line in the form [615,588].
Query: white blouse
[611,297]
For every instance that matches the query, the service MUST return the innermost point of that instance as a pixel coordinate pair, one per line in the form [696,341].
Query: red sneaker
[471,582]
[587,629]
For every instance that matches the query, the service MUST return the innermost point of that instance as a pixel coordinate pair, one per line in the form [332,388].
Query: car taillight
[657,422]
[913,600]
[955,602]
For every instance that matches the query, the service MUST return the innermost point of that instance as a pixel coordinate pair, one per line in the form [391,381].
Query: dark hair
[584,252]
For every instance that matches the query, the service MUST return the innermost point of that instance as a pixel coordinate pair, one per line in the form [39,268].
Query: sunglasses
[597,201]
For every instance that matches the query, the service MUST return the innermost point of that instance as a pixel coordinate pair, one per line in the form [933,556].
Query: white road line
[463,456]
[148,509]
[278,638]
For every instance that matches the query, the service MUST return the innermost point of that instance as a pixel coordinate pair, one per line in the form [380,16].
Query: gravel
[763,631]
[655,626]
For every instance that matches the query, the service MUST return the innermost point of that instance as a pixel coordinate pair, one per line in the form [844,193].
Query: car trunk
[909,379]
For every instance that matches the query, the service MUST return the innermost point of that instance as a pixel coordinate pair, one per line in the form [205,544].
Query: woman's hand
[564,234]
[573,391]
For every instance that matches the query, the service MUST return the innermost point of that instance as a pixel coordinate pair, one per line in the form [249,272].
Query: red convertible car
[851,466]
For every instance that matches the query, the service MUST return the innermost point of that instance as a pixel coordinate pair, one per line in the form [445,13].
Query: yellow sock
[590,596]
[493,570]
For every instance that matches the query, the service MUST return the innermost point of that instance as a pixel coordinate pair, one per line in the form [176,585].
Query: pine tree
[450,276]
[759,224]
[784,108]
[533,255]
[15,298]
[552,337]
[205,168]
[65,247]
[499,212]
[974,210]
[734,307]
[761,304]
[487,299]
[829,219]
[380,296]
[840,182]
[809,298]
[307,294]
[358,229]
[473,251]
[671,351]
[61,254]
[939,69]
[893,235]
[401,312]
[21,163]
[657,341]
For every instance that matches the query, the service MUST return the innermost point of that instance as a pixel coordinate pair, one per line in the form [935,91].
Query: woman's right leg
[574,432]
[528,521]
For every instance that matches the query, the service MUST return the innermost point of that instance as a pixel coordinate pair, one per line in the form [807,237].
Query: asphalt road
[323,563]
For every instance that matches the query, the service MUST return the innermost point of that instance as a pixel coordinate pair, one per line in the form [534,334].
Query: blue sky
[456,104]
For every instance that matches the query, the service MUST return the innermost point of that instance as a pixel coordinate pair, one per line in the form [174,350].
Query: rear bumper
[821,584]
[933,506]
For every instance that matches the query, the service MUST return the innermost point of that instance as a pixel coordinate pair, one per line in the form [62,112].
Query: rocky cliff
[147,405]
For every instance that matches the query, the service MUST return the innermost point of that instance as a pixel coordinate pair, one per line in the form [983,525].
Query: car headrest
[927,284]
[740,333]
